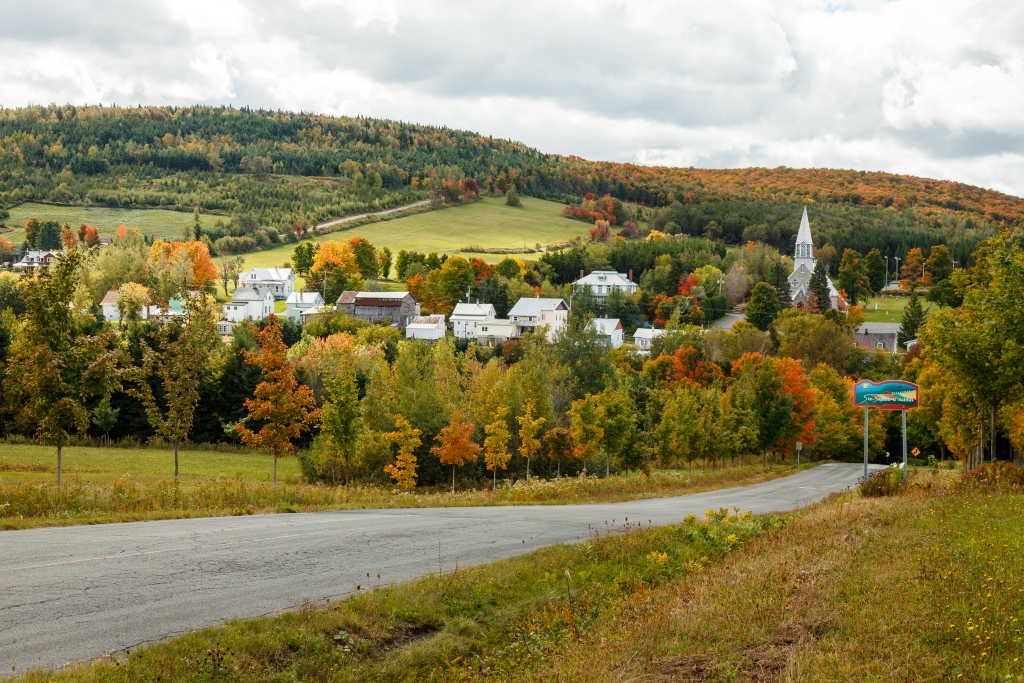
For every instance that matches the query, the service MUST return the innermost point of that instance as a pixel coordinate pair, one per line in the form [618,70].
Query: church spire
[804,243]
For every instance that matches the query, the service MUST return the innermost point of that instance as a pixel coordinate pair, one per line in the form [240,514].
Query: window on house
[880,346]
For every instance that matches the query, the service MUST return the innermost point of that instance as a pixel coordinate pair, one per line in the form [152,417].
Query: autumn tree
[176,366]
[585,423]
[407,438]
[560,446]
[529,426]
[455,445]
[854,279]
[912,272]
[763,306]
[284,407]
[496,453]
[54,367]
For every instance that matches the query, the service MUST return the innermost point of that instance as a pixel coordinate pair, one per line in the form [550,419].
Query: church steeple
[804,243]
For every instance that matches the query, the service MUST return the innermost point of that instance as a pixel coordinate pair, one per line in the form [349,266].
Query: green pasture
[37,464]
[487,223]
[889,309]
[155,222]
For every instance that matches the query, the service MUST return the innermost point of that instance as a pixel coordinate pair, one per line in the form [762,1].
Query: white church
[803,268]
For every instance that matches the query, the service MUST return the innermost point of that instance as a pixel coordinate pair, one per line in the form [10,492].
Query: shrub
[998,476]
[887,482]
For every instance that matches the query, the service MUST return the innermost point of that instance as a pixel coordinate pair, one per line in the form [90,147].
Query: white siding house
[430,327]
[490,332]
[609,330]
[300,302]
[601,283]
[644,337]
[467,318]
[529,315]
[254,303]
[36,259]
[280,281]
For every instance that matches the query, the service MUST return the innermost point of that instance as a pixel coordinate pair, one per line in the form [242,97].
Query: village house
[34,258]
[253,303]
[375,307]
[496,330]
[530,315]
[601,283]
[280,281]
[878,337]
[466,319]
[428,327]
[644,337]
[609,331]
[300,302]
[225,328]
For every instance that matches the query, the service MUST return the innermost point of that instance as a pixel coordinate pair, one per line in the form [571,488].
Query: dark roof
[346,298]
[870,340]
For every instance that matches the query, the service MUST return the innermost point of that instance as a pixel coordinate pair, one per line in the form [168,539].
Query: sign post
[893,394]
[799,447]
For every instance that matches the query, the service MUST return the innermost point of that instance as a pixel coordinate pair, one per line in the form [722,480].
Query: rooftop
[305,298]
[606,326]
[246,293]
[474,310]
[605,277]
[533,307]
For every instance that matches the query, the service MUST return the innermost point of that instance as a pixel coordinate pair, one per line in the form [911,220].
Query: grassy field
[889,309]
[123,484]
[487,223]
[155,222]
[922,587]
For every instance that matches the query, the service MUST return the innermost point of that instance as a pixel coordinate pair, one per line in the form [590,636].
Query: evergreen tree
[779,279]
[913,318]
[876,270]
[763,306]
[818,288]
[512,197]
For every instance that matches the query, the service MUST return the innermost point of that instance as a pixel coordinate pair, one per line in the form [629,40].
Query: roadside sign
[893,394]
[915,451]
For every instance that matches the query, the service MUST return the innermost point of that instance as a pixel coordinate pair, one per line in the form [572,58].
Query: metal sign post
[799,447]
[893,394]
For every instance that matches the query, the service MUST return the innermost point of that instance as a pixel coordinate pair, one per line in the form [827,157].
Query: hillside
[286,167]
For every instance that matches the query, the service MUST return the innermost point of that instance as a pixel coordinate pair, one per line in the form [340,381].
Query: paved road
[75,593]
[355,217]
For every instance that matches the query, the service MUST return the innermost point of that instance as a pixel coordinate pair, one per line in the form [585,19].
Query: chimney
[630,274]
[581,274]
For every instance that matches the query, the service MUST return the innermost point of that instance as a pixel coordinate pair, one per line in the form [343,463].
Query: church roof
[804,235]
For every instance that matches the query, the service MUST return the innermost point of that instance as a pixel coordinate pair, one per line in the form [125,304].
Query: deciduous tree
[496,453]
[528,428]
[407,438]
[455,445]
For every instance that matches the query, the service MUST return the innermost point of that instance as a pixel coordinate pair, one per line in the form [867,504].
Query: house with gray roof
[280,281]
[252,303]
[530,315]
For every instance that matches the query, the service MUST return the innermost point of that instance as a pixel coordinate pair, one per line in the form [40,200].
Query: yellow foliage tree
[407,438]
[496,444]
[528,441]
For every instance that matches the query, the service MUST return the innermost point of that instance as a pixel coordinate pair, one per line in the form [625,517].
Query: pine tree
[821,299]
[763,306]
[913,318]
[876,270]
[779,279]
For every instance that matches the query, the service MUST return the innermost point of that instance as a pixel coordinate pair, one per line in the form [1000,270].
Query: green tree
[618,422]
[939,265]
[55,367]
[105,417]
[821,297]
[763,306]
[340,424]
[778,277]
[512,197]
[913,318]
[875,265]
[302,257]
[177,366]
[384,263]
[579,349]
[853,277]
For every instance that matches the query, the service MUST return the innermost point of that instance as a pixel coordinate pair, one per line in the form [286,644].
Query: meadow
[486,223]
[132,484]
[889,309]
[154,222]
[916,587]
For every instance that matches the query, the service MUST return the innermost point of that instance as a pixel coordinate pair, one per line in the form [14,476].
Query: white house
[601,283]
[36,259]
[225,328]
[644,337]
[254,303]
[490,332]
[280,281]
[430,327]
[609,330]
[530,315]
[109,306]
[466,319]
[300,302]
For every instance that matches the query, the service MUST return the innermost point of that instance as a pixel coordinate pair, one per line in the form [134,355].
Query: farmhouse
[467,317]
[530,315]
[644,337]
[429,327]
[33,259]
[609,331]
[601,283]
[253,303]
[375,307]
[300,302]
[280,281]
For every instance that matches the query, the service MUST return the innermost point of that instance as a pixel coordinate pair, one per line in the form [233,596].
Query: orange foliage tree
[285,408]
[455,445]
[161,254]
[407,438]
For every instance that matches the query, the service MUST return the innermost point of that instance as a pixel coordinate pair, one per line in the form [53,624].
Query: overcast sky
[928,87]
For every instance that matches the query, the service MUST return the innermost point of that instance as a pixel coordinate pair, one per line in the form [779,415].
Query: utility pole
[886,274]
[897,268]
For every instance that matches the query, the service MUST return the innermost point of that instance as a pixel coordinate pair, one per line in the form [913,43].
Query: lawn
[154,222]
[889,309]
[919,587]
[487,223]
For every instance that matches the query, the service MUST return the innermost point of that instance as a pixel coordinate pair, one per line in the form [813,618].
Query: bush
[887,482]
[998,476]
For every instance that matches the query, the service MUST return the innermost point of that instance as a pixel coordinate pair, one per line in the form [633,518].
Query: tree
[913,318]
[618,424]
[763,306]
[407,438]
[853,277]
[585,421]
[560,445]
[340,424]
[778,278]
[384,263]
[912,271]
[132,299]
[820,295]
[302,257]
[455,445]
[365,256]
[579,349]
[939,265]
[512,197]
[177,367]
[496,443]
[284,407]
[875,265]
[528,428]
[105,417]
[54,367]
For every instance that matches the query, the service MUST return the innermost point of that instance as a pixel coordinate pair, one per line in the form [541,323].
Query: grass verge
[123,499]
[486,622]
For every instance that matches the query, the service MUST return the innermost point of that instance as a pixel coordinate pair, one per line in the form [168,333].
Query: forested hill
[284,167]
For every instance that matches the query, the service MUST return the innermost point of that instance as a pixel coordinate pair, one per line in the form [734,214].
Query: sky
[926,87]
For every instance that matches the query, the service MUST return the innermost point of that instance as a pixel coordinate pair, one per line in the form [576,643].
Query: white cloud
[931,87]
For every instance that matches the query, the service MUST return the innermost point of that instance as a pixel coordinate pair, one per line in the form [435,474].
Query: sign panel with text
[893,394]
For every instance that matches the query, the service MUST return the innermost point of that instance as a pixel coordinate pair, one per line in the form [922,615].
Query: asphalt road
[75,593]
